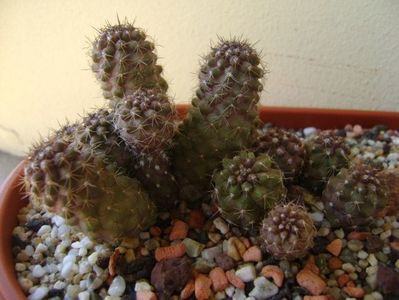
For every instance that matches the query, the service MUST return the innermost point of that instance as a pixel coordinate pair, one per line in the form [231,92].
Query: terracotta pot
[12,200]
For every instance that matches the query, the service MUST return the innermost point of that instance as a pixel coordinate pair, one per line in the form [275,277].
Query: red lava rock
[179,230]
[354,291]
[334,263]
[224,261]
[202,287]
[252,254]
[219,279]
[146,295]
[388,280]
[343,280]
[235,280]
[274,272]
[197,219]
[113,261]
[171,275]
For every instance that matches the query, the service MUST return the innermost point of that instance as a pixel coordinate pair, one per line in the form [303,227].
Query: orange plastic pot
[12,199]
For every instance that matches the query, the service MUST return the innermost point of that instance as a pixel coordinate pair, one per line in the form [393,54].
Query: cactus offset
[124,61]
[68,179]
[97,130]
[248,187]
[284,147]
[287,232]
[326,155]
[223,118]
[354,196]
[145,120]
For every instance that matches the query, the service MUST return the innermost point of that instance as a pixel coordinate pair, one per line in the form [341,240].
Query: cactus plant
[98,131]
[247,187]
[284,147]
[145,120]
[223,117]
[66,177]
[326,155]
[354,196]
[287,232]
[390,179]
[124,61]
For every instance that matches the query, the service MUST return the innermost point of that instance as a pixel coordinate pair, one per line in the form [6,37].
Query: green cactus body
[287,232]
[284,147]
[354,196]
[390,179]
[223,118]
[326,155]
[124,61]
[78,185]
[97,130]
[247,187]
[145,120]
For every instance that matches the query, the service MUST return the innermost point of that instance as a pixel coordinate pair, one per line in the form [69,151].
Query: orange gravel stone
[188,290]
[113,260]
[146,295]
[202,287]
[253,254]
[334,263]
[310,281]
[219,279]
[240,246]
[335,247]
[274,272]
[197,219]
[358,235]
[343,280]
[155,231]
[354,291]
[173,251]
[311,265]
[246,242]
[235,280]
[179,231]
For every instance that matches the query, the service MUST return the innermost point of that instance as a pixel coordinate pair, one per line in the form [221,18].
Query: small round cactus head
[390,179]
[145,120]
[284,147]
[124,60]
[287,232]
[97,131]
[247,187]
[354,196]
[326,154]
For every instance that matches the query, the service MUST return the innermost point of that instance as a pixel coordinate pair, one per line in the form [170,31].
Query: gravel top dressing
[194,253]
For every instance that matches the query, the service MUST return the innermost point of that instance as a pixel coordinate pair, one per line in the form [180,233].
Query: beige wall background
[341,54]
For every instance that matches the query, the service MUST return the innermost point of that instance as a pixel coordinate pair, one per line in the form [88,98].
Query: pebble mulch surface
[195,254]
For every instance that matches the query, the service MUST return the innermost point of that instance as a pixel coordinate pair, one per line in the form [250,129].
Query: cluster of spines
[124,60]
[288,232]
[354,196]
[284,147]
[326,154]
[247,187]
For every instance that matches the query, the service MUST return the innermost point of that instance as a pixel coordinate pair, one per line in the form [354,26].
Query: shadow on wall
[7,163]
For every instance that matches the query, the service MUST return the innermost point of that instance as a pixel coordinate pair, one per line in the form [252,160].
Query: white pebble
[96,283]
[63,231]
[221,225]
[54,232]
[142,285]
[220,296]
[45,229]
[57,220]
[362,254]
[92,259]
[117,287]
[230,290]
[41,248]
[69,258]
[239,295]
[39,293]
[82,251]
[68,270]
[25,283]
[309,131]
[372,260]
[317,216]
[84,295]
[348,267]
[112,298]
[76,245]
[246,272]
[84,267]
[59,285]
[87,243]
[38,271]
[29,250]
[51,268]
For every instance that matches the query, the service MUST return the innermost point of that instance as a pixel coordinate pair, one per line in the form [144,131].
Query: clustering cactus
[354,197]
[124,61]
[287,232]
[145,120]
[284,147]
[98,131]
[247,187]
[68,178]
[326,155]
[223,118]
